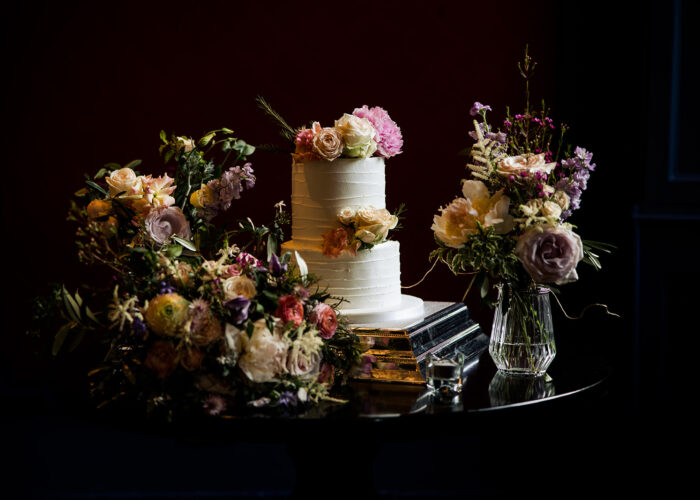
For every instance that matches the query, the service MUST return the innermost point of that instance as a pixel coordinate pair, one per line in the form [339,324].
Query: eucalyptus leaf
[60,337]
[97,188]
[76,340]
[484,287]
[101,173]
[133,164]
[70,305]
[163,136]
[113,166]
[185,243]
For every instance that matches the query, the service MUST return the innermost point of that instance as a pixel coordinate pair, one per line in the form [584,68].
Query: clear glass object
[522,335]
[445,375]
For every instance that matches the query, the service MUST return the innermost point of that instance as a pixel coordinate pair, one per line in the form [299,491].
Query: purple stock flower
[287,398]
[239,307]
[579,168]
[478,107]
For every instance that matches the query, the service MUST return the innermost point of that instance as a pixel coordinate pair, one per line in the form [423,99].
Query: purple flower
[166,287]
[287,398]
[214,405]
[277,268]
[138,327]
[550,254]
[239,308]
[477,108]
[162,223]
[229,187]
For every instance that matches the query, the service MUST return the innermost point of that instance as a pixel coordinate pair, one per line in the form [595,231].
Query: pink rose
[550,253]
[324,317]
[289,308]
[163,223]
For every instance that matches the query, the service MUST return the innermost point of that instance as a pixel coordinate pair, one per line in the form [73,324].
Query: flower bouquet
[191,321]
[510,226]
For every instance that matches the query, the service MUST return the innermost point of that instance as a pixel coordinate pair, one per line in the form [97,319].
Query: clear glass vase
[522,335]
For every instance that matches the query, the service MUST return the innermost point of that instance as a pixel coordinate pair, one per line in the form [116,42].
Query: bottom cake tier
[369,281]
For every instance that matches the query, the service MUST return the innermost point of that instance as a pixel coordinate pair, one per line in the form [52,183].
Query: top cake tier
[321,188]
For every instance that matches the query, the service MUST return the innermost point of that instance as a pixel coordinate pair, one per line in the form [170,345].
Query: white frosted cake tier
[369,281]
[321,188]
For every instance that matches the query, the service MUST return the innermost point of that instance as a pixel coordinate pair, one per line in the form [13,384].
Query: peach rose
[530,163]
[327,143]
[458,220]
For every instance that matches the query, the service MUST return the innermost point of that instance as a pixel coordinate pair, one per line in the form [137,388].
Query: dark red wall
[92,83]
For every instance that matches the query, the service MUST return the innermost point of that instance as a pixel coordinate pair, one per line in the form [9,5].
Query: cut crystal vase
[522,335]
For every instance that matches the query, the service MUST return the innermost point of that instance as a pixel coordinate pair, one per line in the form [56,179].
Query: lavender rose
[550,253]
[165,222]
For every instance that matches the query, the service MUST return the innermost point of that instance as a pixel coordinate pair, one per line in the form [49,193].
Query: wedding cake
[340,224]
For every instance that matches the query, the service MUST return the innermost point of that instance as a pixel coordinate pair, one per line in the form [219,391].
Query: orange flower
[336,241]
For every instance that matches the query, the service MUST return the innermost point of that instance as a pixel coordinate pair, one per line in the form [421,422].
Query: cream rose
[238,286]
[562,199]
[264,354]
[123,181]
[370,216]
[346,216]
[358,134]
[530,163]
[551,210]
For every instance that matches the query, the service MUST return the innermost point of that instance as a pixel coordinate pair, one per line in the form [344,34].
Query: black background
[92,83]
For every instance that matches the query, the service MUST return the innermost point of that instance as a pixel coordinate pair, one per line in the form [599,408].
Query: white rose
[123,181]
[346,216]
[358,134]
[264,354]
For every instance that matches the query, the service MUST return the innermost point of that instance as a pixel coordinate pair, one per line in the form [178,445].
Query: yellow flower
[167,314]
[203,198]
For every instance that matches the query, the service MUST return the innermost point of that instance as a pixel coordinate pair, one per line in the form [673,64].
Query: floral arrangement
[191,321]
[364,133]
[511,222]
[360,229]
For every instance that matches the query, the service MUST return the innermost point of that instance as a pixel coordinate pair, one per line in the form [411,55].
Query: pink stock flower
[389,139]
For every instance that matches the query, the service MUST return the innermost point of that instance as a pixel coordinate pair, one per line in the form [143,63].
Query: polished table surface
[382,434]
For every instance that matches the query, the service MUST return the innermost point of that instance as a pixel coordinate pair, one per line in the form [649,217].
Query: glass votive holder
[445,375]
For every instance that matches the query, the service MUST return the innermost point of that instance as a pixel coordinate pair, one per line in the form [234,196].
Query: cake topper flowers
[364,133]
